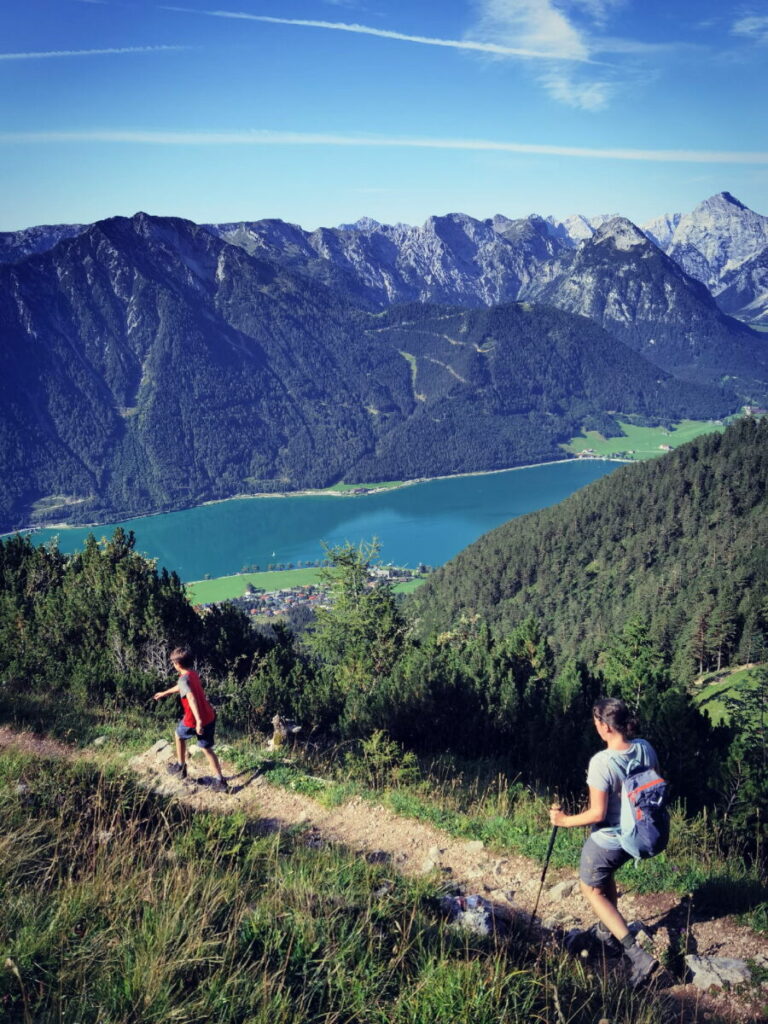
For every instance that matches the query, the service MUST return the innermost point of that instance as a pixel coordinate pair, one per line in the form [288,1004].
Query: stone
[100,741]
[470,913]
[378,857]
[499,867]
[563,889]
[717,972]
[475,846]
[427,866]
[435,852]
[158,747]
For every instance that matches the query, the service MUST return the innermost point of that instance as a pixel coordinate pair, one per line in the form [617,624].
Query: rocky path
[510,883]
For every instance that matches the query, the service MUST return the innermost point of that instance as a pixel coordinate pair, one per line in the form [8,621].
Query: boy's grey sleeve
[184,690]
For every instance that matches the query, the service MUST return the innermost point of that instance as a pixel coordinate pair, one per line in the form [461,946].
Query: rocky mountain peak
[363,224]
[620,232]
[721,201]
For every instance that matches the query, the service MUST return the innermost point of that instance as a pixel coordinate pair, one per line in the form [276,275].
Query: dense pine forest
[679,544]
[630,587]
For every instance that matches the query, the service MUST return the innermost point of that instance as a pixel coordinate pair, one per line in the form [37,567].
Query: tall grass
[120,906]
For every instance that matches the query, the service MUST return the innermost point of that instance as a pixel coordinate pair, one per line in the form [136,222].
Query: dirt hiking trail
[413,848]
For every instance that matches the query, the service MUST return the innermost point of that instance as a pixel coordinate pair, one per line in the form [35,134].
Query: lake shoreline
[314,494]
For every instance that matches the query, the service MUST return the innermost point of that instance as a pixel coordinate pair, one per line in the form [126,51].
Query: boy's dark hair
[182,656]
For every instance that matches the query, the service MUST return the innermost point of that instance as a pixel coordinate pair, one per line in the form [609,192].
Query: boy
[199,718]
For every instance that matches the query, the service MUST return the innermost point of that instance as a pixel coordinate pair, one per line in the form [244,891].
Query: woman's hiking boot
[607,942]
[642,964]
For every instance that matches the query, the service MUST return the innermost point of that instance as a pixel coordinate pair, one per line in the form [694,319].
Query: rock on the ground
[156,748]
[100,741]
[563,889]
[471,913]
[717,972]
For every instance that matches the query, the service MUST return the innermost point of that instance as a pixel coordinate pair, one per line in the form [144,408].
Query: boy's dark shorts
[188,732]
[598,864]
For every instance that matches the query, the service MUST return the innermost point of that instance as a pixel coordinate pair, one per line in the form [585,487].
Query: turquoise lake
[427,522]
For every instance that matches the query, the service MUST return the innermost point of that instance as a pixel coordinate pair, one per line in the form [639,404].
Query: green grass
[511,820]
[224,588]
[121,906]
[711,698]
[383,485]
[409,586]
[643,441]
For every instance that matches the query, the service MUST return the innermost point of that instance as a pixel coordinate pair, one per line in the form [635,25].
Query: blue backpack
[644,822]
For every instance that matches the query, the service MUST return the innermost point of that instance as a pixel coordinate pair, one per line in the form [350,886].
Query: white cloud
[581,95]
[547,25]
[44,54]
[259,137]
[598,9]
[754,25]
[535,24]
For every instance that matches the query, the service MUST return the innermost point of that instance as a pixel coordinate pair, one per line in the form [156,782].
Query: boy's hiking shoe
[642,965]
[219,786]
[177,769]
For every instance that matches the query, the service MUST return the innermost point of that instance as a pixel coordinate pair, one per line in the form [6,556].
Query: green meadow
[225,588]
[350,488]
[717,686]
[643,442]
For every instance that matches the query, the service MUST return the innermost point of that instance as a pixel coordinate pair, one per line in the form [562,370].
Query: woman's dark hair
[614,712]
[182,656]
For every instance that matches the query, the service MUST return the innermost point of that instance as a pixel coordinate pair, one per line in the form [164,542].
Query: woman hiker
[602,854]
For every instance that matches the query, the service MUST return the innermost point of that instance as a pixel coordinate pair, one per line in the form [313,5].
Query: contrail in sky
[277,138]
[38,55]
[366,30]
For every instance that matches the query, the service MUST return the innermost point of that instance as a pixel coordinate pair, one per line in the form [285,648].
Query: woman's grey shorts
[598,864]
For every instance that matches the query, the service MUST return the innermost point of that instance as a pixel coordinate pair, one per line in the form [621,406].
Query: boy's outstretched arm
[165,693]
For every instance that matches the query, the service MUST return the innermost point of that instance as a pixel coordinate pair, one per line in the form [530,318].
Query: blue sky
[322,111]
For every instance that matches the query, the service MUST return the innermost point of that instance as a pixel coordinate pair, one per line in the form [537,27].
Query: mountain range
[455,258]
[150,363]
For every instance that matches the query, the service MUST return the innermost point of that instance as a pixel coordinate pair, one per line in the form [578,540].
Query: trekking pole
[550,847]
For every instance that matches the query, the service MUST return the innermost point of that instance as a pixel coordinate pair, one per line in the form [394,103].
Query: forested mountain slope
[146,364]
[680,544]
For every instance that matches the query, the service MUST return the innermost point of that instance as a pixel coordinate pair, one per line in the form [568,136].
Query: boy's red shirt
[207,714]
